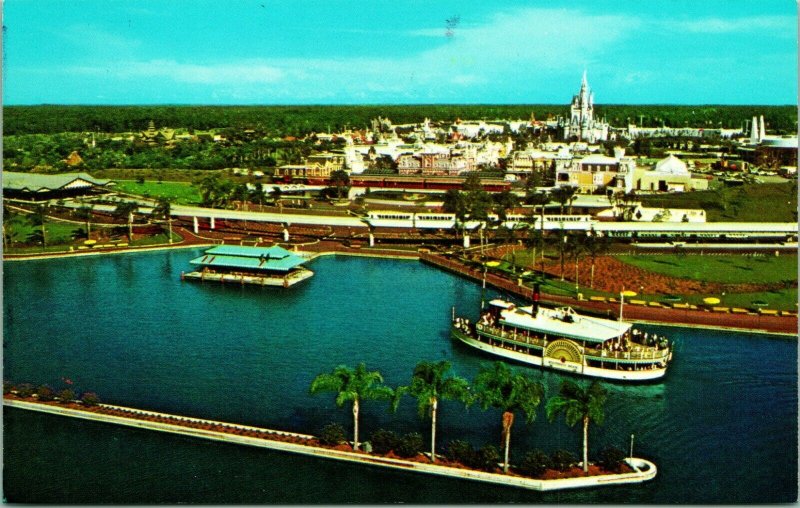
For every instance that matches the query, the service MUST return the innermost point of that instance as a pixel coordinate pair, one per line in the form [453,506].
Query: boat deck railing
[637,351]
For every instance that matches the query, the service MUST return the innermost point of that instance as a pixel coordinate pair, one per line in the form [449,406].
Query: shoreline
[643,470]
[493,280]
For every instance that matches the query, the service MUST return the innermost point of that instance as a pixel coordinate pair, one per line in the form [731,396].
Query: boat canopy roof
[273,258]
[562,322]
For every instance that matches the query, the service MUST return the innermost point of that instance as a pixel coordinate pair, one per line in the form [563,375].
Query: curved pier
[643,470]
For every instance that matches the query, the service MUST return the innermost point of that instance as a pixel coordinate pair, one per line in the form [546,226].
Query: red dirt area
[576,472]
[612,275]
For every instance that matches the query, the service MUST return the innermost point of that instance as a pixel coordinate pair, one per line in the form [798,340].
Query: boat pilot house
[263,266]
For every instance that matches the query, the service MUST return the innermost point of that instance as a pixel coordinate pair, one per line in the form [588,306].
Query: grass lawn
[182,193]
[729,269]
[737,204]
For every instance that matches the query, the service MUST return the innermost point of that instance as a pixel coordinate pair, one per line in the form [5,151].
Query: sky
[398,52]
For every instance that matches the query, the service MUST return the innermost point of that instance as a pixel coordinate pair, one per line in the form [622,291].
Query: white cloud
[511,54]
[778,24]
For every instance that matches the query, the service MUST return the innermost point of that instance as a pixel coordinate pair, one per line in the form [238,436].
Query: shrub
[332,434]
[535,463]
[410,445]
[610,458]
[90,399]
[66,395]
[25,390]
[384,441]
[461,451]
[487,458]
[45,393]
[562,459]
[7,387]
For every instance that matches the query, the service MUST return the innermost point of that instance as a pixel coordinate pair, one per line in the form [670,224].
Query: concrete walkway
[643,470]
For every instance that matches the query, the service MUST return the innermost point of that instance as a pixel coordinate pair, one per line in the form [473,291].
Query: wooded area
[300,120]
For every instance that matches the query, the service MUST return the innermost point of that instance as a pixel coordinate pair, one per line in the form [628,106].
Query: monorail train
[693,232]
[431,220]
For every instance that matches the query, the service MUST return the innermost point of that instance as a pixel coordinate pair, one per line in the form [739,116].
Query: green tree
[353,385]
[596,244]
[14,227]
[579,404]
[499,387]
[39,218]
[240,193]
[340,181]
[431,383]
[576,246]
[455,202]
[85,213]
[504,201]
[564,195]
[163,210]
[125,211]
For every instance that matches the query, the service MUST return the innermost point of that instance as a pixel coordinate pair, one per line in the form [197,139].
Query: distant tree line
[301,120]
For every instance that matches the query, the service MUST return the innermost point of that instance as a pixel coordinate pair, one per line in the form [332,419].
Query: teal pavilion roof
[273,258]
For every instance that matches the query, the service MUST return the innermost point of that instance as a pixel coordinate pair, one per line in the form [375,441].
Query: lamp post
[631,446]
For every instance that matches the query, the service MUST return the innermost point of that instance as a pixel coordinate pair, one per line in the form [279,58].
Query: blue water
[722,426]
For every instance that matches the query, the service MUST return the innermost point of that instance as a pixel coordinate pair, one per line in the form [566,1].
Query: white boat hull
[228,278]
[562,366]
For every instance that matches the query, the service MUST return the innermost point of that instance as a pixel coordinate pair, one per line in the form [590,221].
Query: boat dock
[643,470]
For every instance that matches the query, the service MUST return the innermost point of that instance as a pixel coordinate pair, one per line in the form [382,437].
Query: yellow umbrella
[628,293]
[89,242]
[492,264]
[711,300]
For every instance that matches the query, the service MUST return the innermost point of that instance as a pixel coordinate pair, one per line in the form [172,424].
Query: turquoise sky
[398,52]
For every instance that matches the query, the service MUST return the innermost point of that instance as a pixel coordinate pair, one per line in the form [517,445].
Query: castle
[581,125]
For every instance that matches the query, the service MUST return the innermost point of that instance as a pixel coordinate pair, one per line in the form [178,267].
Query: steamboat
[563,340]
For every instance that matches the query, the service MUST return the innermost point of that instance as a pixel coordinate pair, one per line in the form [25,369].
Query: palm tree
[535,239]
[564,194]
[510,235]
[85,213]
[455,202]
[163,209]
[579,404]
[13,226]
[503,202]
[538,199]
[124,210]
[576,246]
[39,218]
[499,387]
[429,384]
[595,245]
[562,247]
[240,193]
[353,386]
[256,194]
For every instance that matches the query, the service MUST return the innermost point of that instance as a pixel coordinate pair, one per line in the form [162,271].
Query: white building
[595,172]
[669,175]
[582,124]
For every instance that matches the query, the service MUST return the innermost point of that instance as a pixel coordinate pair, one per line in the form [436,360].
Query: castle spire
[583,81]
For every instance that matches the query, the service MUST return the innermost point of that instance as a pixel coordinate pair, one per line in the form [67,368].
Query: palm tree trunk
[169,224]
[434,404]
[355,425]
[591,275]
[130,226]
[585,444]
[508,421]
